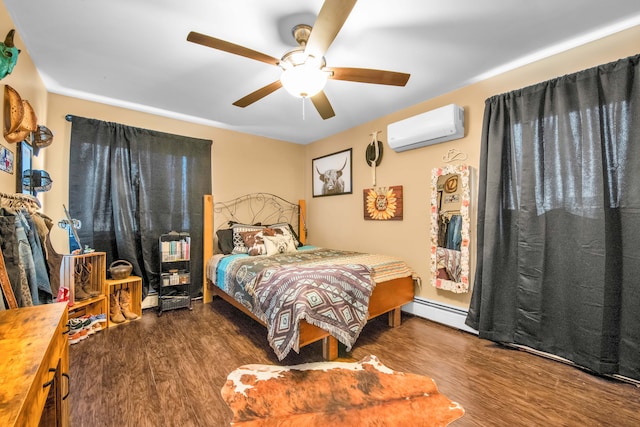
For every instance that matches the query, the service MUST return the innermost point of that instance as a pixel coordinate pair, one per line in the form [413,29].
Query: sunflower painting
[383,203]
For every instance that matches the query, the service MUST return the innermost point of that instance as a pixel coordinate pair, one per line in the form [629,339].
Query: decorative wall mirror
[450,199]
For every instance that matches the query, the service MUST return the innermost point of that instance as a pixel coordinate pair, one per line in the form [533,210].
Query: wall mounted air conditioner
[435,126]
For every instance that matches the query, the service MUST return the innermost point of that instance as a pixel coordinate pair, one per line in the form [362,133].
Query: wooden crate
[72,263]
[92,306]
[134,285]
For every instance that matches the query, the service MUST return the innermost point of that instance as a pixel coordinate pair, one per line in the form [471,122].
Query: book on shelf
[174,250]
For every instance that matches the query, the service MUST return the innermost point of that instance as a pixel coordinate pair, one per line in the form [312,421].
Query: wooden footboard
[387,297]
[308,333]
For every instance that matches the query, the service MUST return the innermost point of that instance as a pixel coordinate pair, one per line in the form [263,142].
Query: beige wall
[285,168]
[338,221]
[26,81]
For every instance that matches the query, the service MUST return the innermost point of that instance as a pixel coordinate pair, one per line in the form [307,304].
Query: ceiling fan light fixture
[304,67]
[304,80]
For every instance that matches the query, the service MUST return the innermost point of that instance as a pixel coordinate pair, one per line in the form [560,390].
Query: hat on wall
[372,155]
[28,123]
[43,137]
[451,184]
[13,110]
[38,180]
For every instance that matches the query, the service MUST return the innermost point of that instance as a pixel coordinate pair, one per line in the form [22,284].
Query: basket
[120,269]
[174,301]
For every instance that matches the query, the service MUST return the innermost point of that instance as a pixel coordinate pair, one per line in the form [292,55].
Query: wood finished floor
[168,371]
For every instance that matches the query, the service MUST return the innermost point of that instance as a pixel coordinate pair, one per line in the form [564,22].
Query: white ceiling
[134,53]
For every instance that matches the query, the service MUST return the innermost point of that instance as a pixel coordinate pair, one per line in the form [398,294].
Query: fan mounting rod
[297,56]
[301,33]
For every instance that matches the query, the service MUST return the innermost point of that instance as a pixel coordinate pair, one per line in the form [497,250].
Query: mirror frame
[464,172]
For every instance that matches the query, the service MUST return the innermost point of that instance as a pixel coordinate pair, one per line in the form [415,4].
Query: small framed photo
[6,159]
[332,174]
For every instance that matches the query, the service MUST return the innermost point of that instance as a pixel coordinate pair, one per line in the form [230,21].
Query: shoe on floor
[75,324]
[102,318]
[75,338]
[89,320]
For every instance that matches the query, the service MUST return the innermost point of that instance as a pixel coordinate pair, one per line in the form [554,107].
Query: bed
[253,278]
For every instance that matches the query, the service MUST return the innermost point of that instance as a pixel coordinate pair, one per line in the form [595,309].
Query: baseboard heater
[438,312]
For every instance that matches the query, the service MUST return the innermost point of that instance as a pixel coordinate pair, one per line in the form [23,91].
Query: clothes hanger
[17,201]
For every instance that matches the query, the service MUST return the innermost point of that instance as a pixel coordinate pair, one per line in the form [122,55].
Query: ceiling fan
[304,68]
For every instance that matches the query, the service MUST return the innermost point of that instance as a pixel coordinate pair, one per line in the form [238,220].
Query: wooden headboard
[252,208]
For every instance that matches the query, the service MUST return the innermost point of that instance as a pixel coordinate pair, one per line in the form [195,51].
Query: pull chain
[303,116]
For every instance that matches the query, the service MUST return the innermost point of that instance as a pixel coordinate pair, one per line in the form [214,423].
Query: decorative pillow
[254,243]
[254,240]
[280,244]
[238,243]
[287,229]
[225,240]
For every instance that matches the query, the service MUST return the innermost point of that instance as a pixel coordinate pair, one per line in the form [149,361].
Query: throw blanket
[334,298]
[238,275]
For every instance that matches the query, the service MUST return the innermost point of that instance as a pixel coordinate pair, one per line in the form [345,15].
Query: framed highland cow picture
[332,174]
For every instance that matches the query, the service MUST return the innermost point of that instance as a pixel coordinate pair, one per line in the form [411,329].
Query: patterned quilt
[334,298]
[327,287]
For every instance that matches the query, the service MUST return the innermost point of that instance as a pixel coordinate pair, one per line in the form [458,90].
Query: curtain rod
[69,117]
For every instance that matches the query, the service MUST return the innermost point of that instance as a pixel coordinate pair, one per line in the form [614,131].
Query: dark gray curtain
[558,266]
[129,185]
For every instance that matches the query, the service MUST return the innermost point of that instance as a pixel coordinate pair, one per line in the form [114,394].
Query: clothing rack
[449,213]
[13,201]
[18,201]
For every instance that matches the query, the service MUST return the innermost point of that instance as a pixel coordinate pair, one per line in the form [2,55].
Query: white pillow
[279,244]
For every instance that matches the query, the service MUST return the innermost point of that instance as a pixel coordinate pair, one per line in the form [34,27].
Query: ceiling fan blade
[331,18]
[258,94]
[322,104]
[226,46]
[366,75]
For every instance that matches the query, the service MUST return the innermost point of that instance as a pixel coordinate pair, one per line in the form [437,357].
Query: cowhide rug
[333,394]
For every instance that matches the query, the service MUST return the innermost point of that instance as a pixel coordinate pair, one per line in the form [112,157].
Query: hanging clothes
[454,233]
[23,251]
[33,252]
[54,259]
[9,246]
[443,225]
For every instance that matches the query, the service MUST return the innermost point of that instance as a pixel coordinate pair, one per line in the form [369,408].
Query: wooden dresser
[34,366]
